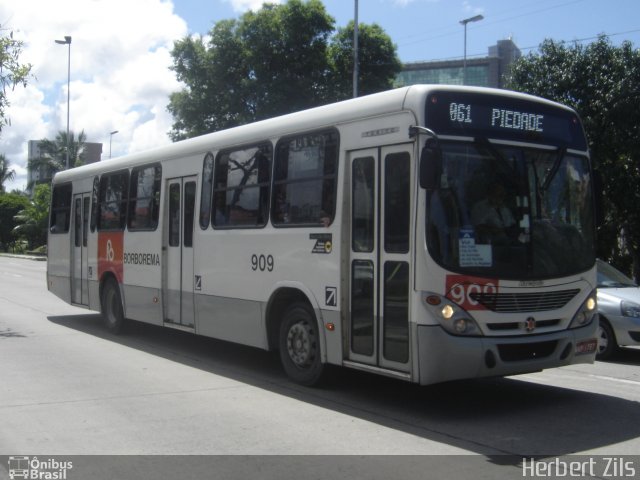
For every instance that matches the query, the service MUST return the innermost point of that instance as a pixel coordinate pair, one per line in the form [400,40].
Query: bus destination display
[500,118]
[490,116]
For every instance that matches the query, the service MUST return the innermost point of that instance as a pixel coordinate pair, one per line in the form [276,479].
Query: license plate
[586,346]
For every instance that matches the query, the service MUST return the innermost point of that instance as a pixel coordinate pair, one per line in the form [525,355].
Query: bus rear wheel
[112,312]
[300,345]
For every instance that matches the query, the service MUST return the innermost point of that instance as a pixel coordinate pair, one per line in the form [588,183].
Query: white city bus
[351,234]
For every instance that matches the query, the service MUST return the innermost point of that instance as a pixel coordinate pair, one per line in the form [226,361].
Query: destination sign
[497,116]
[500,118]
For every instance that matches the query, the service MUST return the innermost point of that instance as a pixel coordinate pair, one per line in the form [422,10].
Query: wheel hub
[300,344]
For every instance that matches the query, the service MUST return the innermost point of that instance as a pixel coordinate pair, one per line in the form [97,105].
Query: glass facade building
[481,72]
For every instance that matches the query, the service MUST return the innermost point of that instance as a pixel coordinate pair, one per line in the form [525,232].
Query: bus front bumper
[444,357]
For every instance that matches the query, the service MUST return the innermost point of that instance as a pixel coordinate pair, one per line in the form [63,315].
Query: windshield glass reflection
[511,212]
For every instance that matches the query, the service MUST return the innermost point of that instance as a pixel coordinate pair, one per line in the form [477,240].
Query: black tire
[300,345]
[607,344]
[112,312]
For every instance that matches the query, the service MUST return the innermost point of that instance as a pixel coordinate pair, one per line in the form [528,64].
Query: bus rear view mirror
[430,165]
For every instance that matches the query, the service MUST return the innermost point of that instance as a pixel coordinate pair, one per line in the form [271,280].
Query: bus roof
[406,98]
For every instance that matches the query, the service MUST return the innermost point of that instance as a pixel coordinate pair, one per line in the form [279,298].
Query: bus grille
[524,302]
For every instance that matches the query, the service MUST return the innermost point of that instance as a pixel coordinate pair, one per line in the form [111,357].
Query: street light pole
[110,137]
[464,22]
[355,51]
[67,41]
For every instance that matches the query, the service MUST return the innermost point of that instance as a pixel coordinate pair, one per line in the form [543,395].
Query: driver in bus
[491,217]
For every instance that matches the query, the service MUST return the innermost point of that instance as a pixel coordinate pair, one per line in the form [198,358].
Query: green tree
[214,75]
[274,61]
[6,175]
[12,72]
[378,64]
[10,205]
[267,63]
[53,154]
[602,82]
[32,221]
[286,55]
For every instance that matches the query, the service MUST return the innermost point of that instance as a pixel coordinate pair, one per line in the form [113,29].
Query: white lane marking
[613,379]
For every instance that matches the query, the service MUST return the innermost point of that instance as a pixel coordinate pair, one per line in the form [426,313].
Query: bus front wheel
[112,312]
[300,345]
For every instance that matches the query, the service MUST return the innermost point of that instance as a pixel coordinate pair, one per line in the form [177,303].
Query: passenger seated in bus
[281,207]
[491,218]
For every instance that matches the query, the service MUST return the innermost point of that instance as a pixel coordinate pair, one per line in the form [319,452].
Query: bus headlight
[453,318]
[463,326]
[447,312]
[586,313]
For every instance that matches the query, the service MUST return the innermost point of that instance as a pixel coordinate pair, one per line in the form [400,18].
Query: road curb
[37,258]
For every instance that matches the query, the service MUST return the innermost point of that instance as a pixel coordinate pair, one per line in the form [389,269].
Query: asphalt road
[67,387]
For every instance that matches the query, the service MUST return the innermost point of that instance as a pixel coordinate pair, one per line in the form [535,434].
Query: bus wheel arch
[111,305]
[294,329]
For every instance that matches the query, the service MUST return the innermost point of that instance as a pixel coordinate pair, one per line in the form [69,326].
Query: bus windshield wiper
[487,145]
[554,169]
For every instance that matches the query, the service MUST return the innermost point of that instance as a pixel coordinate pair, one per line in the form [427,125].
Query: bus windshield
[511,212]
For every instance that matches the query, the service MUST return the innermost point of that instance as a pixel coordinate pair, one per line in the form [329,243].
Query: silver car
[619,310]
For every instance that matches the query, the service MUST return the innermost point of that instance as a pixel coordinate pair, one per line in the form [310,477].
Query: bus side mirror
[430,165]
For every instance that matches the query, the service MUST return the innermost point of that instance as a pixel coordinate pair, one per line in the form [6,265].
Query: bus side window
[113,200]
[144,197]
[60,208]
[305,176]
[207,191]
[94,203]
[241,189]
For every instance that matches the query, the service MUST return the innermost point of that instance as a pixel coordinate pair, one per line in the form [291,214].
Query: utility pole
[355,51]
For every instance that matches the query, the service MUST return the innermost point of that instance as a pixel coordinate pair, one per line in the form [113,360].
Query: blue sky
[120,53]
[430,29]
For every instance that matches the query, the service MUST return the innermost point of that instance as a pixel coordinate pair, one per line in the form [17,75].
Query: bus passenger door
[79,254]
[178,281]
[381,181]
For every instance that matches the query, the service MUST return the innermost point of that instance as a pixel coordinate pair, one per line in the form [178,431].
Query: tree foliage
[378,64]
[53,154]
[12,72]
[6,173]
[32,221]
[10,205]
[274,61]
[602,82]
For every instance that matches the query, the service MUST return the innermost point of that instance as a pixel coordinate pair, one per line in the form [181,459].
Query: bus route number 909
[465,290]
[262,263]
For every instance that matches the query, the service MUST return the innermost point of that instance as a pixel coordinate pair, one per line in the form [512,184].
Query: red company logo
[110,254]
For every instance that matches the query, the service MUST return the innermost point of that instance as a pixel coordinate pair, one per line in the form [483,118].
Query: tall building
[487,71]
[92,153]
